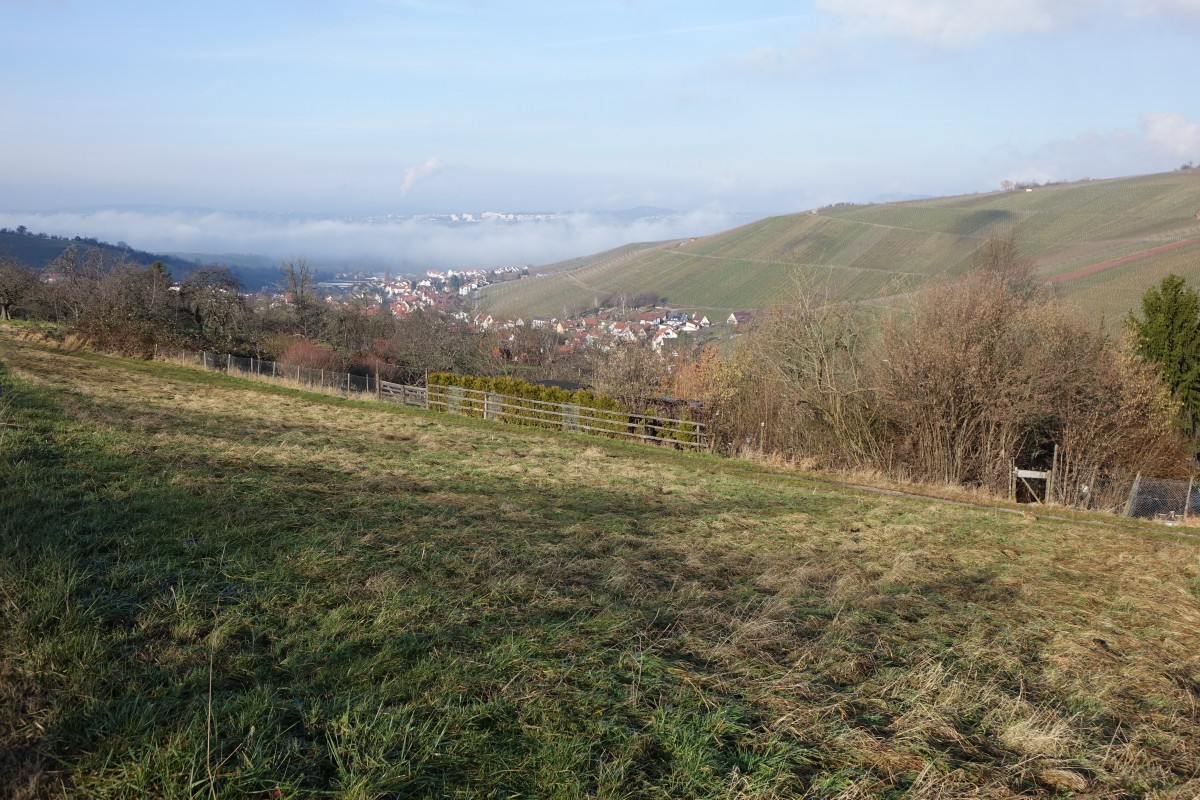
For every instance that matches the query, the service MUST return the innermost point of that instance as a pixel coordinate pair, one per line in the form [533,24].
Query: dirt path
[1083,272]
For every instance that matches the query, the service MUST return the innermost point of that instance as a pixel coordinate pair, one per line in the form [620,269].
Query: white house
[664,335]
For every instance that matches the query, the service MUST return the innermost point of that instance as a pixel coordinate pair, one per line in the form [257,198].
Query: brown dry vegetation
[397,603]
[980,372]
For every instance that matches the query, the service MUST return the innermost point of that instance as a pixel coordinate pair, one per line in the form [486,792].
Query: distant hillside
[37,250]
[1102,242]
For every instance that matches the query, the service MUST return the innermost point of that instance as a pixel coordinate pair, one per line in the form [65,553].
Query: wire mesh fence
[1163,499]
[332,380]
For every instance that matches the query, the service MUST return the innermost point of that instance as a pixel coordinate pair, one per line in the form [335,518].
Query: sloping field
[863,252]
[212,587]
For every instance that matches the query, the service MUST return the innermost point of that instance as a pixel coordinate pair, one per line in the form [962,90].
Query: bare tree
[300,281]
[1000,255]
[630,372]
[815,358]
[210,295]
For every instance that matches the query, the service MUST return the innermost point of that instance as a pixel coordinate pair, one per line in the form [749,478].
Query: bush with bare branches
[984,372]
[630,372]
[799,383]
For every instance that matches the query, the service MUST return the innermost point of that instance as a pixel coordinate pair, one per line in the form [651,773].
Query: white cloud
[414,175]
[1162,141]
[1172,133]
[1168,7]
[954,23]
[948,22]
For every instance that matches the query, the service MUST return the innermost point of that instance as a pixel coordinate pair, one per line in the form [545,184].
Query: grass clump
[211,587]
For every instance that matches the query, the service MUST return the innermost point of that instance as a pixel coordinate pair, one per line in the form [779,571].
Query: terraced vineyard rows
[1113,293]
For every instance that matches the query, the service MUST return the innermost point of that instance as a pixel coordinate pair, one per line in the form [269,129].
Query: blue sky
[441,105]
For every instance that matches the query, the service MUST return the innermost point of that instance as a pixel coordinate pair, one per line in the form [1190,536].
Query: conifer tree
[1168,336]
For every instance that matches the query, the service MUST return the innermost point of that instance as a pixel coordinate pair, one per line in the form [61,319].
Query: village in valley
[449,293]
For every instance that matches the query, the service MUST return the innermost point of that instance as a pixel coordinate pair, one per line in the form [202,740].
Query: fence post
[1132,495]
[1050,478]
[228,362]
[1187,503]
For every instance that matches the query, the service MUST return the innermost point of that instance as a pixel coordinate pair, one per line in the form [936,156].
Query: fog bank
[412,242]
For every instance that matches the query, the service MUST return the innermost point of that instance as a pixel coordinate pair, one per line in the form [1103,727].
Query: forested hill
[37,250]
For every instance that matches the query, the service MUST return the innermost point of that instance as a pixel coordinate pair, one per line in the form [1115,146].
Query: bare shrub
[309,354]
[630,372]
[18,286]
[695,374]
[985,370]
[801,378]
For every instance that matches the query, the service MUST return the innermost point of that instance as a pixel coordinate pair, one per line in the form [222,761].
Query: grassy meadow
[869,252]
[218,588]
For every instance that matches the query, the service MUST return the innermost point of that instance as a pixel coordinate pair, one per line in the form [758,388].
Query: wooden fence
[400,393]
[558,416]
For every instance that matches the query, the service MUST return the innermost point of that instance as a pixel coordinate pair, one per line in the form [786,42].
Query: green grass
[869,252]
[214,587]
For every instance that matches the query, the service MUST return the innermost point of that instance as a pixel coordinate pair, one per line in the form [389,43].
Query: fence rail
[401,393]
[541,413]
